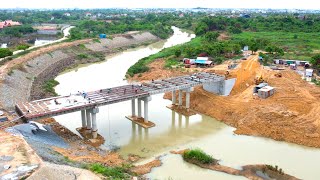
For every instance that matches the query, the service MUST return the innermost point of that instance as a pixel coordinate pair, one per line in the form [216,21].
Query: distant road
[66,33]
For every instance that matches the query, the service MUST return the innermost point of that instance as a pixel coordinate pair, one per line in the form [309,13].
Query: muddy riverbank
[25,79]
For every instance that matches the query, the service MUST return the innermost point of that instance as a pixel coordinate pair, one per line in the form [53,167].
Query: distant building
[88,14]
[67,14]
[8,23]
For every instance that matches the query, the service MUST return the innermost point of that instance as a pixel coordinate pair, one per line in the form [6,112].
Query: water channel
[173,130]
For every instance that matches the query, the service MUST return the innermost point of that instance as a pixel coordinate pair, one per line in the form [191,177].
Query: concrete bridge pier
[94,112]
[180,98]
[146,111]
[139,108]
[139,118]
[188,98]
[174,97]
[83,119]
[133,107]
[88,117]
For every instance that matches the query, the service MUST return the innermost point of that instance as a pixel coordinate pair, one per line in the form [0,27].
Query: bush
[82,56]
[49,86]
[198,155]
[4,52]
[23,46]
[114,172]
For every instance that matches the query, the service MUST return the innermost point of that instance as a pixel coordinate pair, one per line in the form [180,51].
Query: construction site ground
[291,114]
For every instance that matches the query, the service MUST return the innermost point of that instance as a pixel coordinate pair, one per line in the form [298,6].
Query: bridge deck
[74,102]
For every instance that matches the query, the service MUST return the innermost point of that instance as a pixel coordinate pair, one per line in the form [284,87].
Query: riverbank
[31,71]
[290,115]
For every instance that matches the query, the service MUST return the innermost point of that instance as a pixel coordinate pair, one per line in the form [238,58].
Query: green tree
[201,29]
[4,52]
[315,61]
[177,53]
[211,36]
[254,47]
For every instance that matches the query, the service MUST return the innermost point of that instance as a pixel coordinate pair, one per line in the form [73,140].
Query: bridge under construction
[88,102]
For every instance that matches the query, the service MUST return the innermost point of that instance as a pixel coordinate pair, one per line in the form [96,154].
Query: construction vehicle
[258,80]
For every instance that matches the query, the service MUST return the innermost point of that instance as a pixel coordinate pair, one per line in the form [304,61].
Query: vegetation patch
[82,56]
[48,86]
[110,172]
[199,156]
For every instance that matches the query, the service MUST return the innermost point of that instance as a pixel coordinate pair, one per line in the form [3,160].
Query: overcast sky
[275,4]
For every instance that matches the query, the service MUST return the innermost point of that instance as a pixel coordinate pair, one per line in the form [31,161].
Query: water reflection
[147,142]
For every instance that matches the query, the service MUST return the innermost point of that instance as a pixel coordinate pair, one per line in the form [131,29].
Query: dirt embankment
[22,79]
[291,114]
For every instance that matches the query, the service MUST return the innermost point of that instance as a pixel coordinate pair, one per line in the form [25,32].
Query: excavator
[258,80]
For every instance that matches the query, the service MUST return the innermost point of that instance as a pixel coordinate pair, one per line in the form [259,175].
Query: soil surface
[291,114]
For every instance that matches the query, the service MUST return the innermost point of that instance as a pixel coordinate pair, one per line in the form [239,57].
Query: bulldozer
[258,80]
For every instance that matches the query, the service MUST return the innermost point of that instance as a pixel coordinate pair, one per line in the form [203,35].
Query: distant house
[67,14]
[88,14]
[181,15]
[8,23]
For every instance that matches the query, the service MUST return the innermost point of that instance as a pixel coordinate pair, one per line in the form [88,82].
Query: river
[173,130]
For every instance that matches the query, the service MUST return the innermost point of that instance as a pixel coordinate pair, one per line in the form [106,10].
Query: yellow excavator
[258,80]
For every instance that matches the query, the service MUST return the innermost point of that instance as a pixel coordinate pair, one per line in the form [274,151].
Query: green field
[296,45]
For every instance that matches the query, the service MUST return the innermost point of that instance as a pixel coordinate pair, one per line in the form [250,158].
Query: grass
[316,82]
[49,86]
[298,45]
[112,172]
[96,40]
[82,56]
[171,62]
[198,155]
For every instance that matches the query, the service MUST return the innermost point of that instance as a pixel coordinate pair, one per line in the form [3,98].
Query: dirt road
[291,114]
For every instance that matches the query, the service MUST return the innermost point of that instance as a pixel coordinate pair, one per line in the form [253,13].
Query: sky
[89,4]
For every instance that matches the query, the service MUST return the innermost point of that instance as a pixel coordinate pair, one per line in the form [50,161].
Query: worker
[136,90]
[152,80]
[124,91]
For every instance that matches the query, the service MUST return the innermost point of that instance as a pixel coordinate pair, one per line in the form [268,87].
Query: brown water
[174,131]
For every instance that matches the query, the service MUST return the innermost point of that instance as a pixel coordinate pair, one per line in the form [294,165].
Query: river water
[173,130]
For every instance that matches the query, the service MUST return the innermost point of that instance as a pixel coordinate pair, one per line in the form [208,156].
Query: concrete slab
[140,122]
[182,110]
[88,135]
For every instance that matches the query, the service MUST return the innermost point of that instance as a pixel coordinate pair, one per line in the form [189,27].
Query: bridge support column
[88,113]
[94,122]
[83,118]
[133,107]
[180,98]
[173,97]
[139,108]
[146,111]
[188,98]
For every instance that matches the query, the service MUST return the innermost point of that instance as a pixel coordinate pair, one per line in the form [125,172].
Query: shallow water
[174,131]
